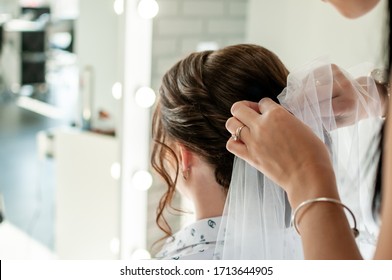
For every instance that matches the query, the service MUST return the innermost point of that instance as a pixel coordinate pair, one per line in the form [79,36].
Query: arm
[345,98]
[298,161]
[384,246]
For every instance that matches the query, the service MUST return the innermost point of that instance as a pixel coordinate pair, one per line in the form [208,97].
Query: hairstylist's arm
[347,106]
[384,245]
[288,152]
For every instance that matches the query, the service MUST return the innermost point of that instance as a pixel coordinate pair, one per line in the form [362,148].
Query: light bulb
[148,8]
[118,7]
[145,97]
[142,180]
[115,170]
[141,254]
[117,91]
[115,246]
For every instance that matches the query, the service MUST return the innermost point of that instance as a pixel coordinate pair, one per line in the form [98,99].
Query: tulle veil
[256,217]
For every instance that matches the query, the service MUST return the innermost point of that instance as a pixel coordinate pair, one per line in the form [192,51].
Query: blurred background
[78,81]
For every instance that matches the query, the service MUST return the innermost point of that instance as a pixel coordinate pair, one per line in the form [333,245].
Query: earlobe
[186,158]
[185,173]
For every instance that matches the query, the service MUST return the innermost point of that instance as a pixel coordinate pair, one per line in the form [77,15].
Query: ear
[186,157]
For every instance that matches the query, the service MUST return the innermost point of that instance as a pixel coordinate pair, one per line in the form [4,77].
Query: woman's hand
[288,152]
[354,100]
[351,99]
[281,147]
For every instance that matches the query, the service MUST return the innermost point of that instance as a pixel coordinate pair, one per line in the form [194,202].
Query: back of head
[196,96]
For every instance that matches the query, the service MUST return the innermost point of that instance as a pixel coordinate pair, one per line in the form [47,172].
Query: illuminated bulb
[145,97]
[142,180]
[118,7]
[206,46]
[115,246]
[115,170]
[148,8]
[141,254]
[86,114]
[117,91]
[15,87]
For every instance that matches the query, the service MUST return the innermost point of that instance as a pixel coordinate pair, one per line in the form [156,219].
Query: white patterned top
[194,242]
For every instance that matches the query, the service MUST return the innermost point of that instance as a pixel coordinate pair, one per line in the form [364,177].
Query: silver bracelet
[322,199]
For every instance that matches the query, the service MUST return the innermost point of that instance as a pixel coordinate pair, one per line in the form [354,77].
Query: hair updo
[194,104]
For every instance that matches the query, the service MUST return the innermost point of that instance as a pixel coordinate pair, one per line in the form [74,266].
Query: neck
[209,203]
[200,187]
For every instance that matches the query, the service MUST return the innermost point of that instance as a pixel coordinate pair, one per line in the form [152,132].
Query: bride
[239,213]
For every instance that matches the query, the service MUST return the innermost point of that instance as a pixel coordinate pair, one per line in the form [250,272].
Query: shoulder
[197,252]
[195,241]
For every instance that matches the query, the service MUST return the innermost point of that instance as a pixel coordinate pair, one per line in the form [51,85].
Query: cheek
[343,6]
[353,8]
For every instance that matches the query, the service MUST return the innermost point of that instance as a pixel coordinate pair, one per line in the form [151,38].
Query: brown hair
[194,104]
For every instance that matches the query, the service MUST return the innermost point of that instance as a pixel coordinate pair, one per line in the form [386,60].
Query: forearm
[326,233]
[383,250]
[324,229]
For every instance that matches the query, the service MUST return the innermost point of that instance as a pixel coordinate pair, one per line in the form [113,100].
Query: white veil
[256,218]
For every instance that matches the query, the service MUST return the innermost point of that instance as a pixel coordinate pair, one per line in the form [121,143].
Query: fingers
[233,124]
[245,115]
[250,104]
[237,147]
[267,104]
[245,111]
[239,150]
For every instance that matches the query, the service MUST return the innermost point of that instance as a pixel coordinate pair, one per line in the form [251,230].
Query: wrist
[317,181]
[308,203]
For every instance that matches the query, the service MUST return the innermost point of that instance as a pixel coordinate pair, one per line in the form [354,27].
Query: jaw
[353,8]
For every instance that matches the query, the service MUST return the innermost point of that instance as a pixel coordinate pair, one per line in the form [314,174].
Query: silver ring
[237,135]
